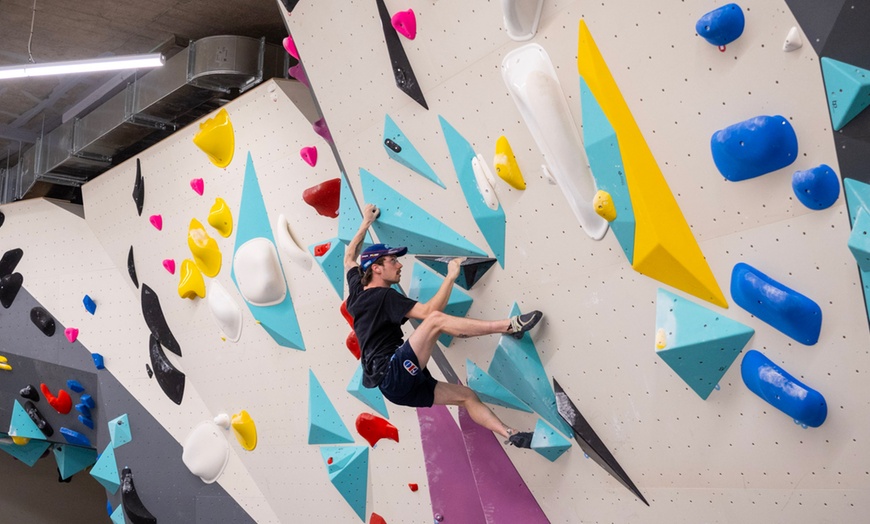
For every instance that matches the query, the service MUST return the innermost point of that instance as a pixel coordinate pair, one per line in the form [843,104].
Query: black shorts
[405,383]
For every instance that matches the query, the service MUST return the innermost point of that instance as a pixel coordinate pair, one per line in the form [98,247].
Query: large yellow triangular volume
[664,247]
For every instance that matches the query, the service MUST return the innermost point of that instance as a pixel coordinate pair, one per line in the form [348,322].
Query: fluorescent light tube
[83,66]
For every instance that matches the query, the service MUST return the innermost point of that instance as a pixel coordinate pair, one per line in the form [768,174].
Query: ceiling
[64,30]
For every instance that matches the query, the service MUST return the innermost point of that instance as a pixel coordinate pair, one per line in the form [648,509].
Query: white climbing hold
[793,40]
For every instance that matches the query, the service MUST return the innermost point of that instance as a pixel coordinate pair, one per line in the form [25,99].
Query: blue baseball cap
[376,251]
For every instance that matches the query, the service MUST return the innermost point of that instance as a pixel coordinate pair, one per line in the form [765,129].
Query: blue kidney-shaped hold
[816,188]
[782,391]
[754,147]
[721,26]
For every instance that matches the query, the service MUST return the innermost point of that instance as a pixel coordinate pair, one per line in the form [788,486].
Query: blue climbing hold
[785,309]
[754,147]
[816,188]
[82,408]
[783,391]
[90,305]
[87,421]
[721,26]
[88,401]
[98,361]
[75,438]
[75,385]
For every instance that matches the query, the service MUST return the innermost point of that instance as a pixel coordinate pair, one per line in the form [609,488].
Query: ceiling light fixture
[83,66]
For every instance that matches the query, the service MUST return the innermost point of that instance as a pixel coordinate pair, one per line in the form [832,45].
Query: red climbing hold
[352,344]
[413,486]
[62,403]
[329,460]
[324,197]
[376,519]
[373,428]
[346,314]
[321,249]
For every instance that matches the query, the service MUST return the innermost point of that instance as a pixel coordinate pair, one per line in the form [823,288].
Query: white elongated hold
[258,273]
[483,177]
[222,420]
[548,176]
[521,18]
[225,311]
[793,40]
[206,452]
[289,247]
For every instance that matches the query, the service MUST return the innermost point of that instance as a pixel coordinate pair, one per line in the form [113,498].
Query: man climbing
[399,367]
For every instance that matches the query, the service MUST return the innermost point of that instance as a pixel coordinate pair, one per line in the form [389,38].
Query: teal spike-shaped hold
[324,424]
[119,431]
[605,161]
[489,390]
[371,397]
[403,151]
[349,217]
[848,89]
[72,459]
[425,284]
[517,366]
[21,425]
[106,470]
[697,343]
[470,272]
[28,453]
[404,223]
[490,221]
[859,240]
[117,516]
[548,442]
[332,263]
[348,469]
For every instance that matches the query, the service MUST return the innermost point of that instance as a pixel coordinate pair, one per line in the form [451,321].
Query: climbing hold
[190,283]
[783,391]
[490,390]
[71,334]
[148,370]
[290,47]
[216,139]
[72,459]
[721,26]
[245,430]
[10,260]
[28,453]
[88,401]
[405,23]
[603,204]
[4,364]
[75,385]
[156,321]
[139,188]
[131,268]
[321,249]
[324,423]
[206,452]
[547,442]
[204,248]
[258,273]
[309,155]
[298,72]
[816,188]
[352,343]
[859,239]
[506,166]
[348,472]
[119,431]
[785,309]
[197,185]
[2,218]
[376,519]
[485,182]
[87,421]
[324,197]
[400,149]
[29,392]
[221,218]
[9,287]
[170,380]
[225,311]
[75,438]
[322,129]
[331,262]
[90,305]
[41,319]
[848,89]
[169,265]
[793,40]
[223,420]
[99,362]
[401,66]
[413,487]
[288,246]
[83,409]
[345,313]
[521,18]
[28,422]
[373,428]
[105,471]
[372,397]
[156,221]
[754,147]
[20,441]
[62,403]
[135,511]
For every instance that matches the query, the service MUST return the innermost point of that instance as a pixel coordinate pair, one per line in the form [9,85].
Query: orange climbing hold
[324,197]
[62,403]
[374,428]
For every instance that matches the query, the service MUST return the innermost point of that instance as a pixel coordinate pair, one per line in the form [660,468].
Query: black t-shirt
[378,314]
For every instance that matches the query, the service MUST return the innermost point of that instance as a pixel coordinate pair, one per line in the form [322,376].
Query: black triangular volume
[131,268]
[289,5]
[156,321]
[589,441]
[405,78]
[135,511]
[139,189]
[9,287]
[472,269]
[171,380]
[41,319]
[9,261]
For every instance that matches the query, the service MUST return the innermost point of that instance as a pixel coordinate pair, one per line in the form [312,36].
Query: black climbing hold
[9,287]
[392,145]
[131,267]
[289,4]
[139,188]
[136,512]
[405,79]
[10,259]
[156,321]
[171,380]
[41,319]
[471,270]
[38,419]
[148,370]
[2,218]
[29,392]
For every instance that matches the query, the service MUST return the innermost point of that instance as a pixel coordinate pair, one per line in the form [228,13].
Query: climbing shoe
[522,323]
[521,440]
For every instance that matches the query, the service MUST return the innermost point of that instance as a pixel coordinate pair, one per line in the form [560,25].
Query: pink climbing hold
[71,334]
[405,23]
[299,74]
[309,155]
[169,264]
[157,221]
[197,185]
[290,47]
[322,129]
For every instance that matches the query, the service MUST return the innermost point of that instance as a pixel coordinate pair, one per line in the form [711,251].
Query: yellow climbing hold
[664,247]
[20,441]
[204,248]
[216,139]
[661,339]
[603,204]
[221,218]
[3,364]
[245,430]
[190,283]
[506,166]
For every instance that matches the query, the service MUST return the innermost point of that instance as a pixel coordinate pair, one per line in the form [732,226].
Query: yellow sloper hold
[245,430]
[506,166]
[21,441]
[3,364]
[664,247]
[217,139]
[204,248]
[190,283]
[603,205]
[221,218]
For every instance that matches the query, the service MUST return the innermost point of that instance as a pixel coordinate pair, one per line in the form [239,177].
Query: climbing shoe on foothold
[522,323]
[521,440]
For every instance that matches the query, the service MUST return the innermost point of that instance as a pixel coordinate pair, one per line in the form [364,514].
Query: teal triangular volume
[404,223]
[424,286]
[408,156]
[280,319]
[470,272]
[859,240]
[119,431]
[848,89]
[21,425]
[371,397]
[548,442]
[28,453]
[699,344]
[349,216]
[332,264]
[605,161]
[489,390]
[117,516]
[349,472]
[72,459]
[517,366]
[858,199]
[491,222]
[106,470]
[324,424]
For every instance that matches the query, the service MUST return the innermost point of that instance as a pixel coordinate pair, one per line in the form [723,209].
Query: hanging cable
[30,40]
